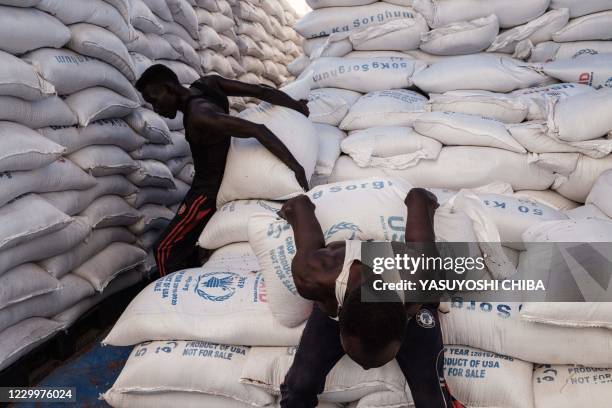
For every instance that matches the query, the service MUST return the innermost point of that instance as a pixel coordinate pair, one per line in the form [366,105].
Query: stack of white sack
[66,81]
[439,93]
[266,41]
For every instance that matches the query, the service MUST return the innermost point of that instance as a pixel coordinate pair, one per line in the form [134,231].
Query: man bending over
[208,130]
[372,334]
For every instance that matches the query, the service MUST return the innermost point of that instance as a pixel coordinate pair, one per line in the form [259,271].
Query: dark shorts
[420,358]
[176,248]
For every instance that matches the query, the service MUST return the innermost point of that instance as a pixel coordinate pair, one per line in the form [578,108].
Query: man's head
[371,333]
[159,86]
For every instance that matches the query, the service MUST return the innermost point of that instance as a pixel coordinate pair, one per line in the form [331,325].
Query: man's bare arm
[241,128]
[263,92]
[311,253]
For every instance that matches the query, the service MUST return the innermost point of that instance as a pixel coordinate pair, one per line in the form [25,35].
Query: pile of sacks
[266,40]
[437,95]
[511,149]
[90,174]
[181,321]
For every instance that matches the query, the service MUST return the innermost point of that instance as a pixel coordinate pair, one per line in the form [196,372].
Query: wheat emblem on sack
[342,226]
[216,286]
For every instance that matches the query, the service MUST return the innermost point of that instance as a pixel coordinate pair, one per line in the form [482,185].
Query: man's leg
[421,359]
[319,351]
[176,247]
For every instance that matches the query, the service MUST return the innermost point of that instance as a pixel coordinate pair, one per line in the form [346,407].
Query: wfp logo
[349,227]
[217,286]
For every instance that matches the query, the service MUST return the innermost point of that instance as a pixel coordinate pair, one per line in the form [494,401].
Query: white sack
[567,386]
[121,282]
[363,74]
[187,174]
[579,8]
[24,282]
[550,51]
[149,125]
[510,14]
[480,378]
[27,218]
[100,161]
[27,29]
[459,129]
[390,147]
[330,138]
[58,176]
[399,34]
[592,70]
[587,211]
[536,31]
[536,138]
[334,46]
[493,105]
[229,223]
[591,27]
[252,171]
[582,117]
[330,105]
[461,38]
[159,8]
[164,152]
[61,264]
[568,314]
[94,41]
[485,72]
[537,98]
[266,368]
[459,167]
[51,111]
[46,245]
[143,19]
[152,173]
[157,195]
[24,149]
[497,327]
[186,52]
[102,132]
[21,80]
[70,72]
[96,12]
[110,211]
[547,197]
[98,103]
[19,339]
[184,14]
[73,202]
[116,258]
[153,217]
[298,65]
[185,73]
[513,216]
[326,21]
[183,305]
[190,367]
[600,193]
[396,107]
[73,289]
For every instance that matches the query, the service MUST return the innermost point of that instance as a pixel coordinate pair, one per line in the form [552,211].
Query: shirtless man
[372,334]
[208,130]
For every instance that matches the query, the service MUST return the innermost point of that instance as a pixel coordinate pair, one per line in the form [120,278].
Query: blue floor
[93,371]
